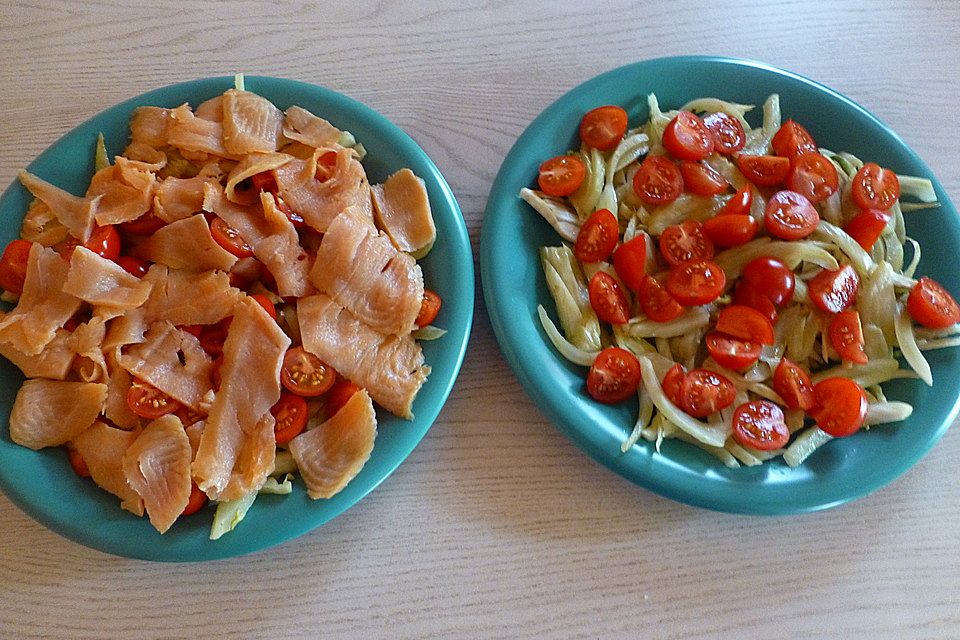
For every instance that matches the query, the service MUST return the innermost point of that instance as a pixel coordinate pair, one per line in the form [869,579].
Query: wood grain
[496,526]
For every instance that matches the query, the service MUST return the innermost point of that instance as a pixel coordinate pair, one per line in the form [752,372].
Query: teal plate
[513,286]
[42,483]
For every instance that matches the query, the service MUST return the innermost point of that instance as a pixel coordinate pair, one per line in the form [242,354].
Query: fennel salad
[752,289]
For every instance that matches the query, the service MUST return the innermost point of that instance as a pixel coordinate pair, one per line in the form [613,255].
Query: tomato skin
[290,414]
[684,242]
[875,187]
[931,305]
[629,261]
[149,402]
[304,374]
[614,376]
[728,134]
[696,282]
[744,294]
[760,425]
[739,203]
[608,299]
[840,406]
[790,216]
[793,385]
[772,278]
[745,323]
[341,391]
[700,179]
[656,302]
[603,128]
[597,237]
[429,308]
[133,266]
[732,353]
[731,230]
[866,227]
[104,241]
[77,463]
[813,176]
[264,181]
[228,238]
[657,181]
[196,502]
[13,265]
[764,171]
[212,336]
[147,224]
[846,336]
[687,138]
[834,290]
[672,383]
[265,302]
[705,392]
[561,175]
[792,139]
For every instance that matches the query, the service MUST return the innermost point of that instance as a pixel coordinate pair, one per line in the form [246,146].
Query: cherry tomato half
[228,238]
[701,179]
[341,391]
[791,140]
[931,305]
[764,171]
[687,138]
[629,261]
[772,278]
[561,176]
[731,230]
[429,308]
[133,266]
[265,181]
[739,203]
[793,385]
[731,352]
[728,134]
[104,241]
[875,187]
[147,224]
[657,181]
[13,266]
[608,299]
[745,294]
[597,237]
[266,303]
[696,282]
[840,406]
[305,374]
[614,376]
[673,383]
[683,242]
[760,425]
[745,323]
[148,402]
[196,501]
[866,227]
[790,216]
[846,336]
[705,392]
[656,302]
[834,290]
[290,415]
[603,128]
[813,176]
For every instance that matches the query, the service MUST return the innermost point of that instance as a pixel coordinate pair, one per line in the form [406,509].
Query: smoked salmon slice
[251,123]
[157,466]
[185,297]
[48,413]
[186,244]
[75,213]
[102,448]
[403,211]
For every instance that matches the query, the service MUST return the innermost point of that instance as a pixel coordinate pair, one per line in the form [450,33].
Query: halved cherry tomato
[696,282]
[813,176]
[764,171]
[295,218]
[834,290]
[656,302]
[145,225]
[791,140]
[264,181]
[265,302]
[291,415]
[673,383]
[597,237]
[705,392]
[683,242]
[793,385]
[731,230]
[728,134]
[212,336]
[731,352]
[875,187]
[561,176]
[701,179]
[228,238]
[614,375]
[341,391]
[603,128]
[196,330]
[846,336]
[13,266]
[429,308]
[148,402]
[196,501]
[687,138]
[745,294]
[745,323]
[77,462]
[760,425]
[607,298]
[789,215]
[657,181]
[739,203]
[840,406]
[866,227]
[133,266]
[305,374]
[104,241]
[629,261]
[931,305]
[772,278]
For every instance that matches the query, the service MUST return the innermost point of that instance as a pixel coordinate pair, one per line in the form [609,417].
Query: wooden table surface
[496,526]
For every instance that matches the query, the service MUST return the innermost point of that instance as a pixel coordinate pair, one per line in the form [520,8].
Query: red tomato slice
[683,242]
[133,266]
[739,203]
[228,238]
[770,277]
[13,266]
[196,501]
[597,237]
[657,181]
[265,302]
[429,308]
[212,336]
[705,392]
[149,402]
[813,176]
[305,374]
[789,215]
[791,140]
[656,302]
[728,134]
[764,171]
[104,241]
[614,376]
[745,323]
[561,176]
[341,391]
[145,225]
[608,299]
[687,138]
[846,336]
[731,230]
[701,179]
[603,127]
[875,187]
[793,385]
[77,462]
[840,406]
[745,294]
[696,282]
[264,181]
[629,261]
[731,352]
[760,425]
[291,415]
[673,383]
[866,227]
[834,291]
[931,305]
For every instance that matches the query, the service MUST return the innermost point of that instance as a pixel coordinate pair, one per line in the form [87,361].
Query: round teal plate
[513,286]
[42,483]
